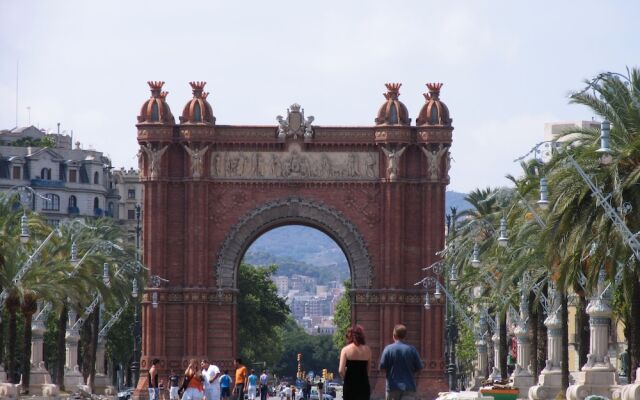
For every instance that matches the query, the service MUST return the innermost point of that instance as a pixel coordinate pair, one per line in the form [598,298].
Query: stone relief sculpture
[294,164]
[197,157]
[295,125]
[154,156]
[308,130]
[434,158]
[283,127]
[393,160]
[371,164]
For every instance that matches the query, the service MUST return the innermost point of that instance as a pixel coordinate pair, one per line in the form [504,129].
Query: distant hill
[298,249]
[456,199]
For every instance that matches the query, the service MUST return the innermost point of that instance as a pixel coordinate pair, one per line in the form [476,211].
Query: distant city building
[130,190]
[70,182]
[312,305]
[282,283]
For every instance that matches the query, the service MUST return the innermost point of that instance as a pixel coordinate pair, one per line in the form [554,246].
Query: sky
[507,66]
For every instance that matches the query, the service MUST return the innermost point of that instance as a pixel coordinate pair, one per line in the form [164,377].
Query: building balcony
[73,210]
[98,212]
[47,183]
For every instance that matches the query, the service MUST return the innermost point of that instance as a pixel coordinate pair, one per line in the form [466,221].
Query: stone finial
[197,87]
[393,91]
[434,90]
[156,87]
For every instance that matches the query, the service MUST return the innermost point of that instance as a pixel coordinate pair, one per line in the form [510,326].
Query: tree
[342,316]
[584,236]
[318,351]
[260,313]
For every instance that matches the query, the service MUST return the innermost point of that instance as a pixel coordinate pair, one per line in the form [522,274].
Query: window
[73,175]
[51,202]
[73,201]
[53,222]
[45,173]
[96,203]
[16,172]
[131,194]
[96,178]
[131,214]
[155,114]
[197,113]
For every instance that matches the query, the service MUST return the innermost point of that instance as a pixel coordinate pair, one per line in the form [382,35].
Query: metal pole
[135,365]
[452,337]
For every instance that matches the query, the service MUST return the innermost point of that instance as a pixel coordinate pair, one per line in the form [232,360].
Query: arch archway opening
[311,270]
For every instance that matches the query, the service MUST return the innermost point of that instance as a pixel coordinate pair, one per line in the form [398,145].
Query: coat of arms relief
[295,125]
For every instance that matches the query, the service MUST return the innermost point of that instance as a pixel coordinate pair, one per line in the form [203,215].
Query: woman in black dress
[355,359]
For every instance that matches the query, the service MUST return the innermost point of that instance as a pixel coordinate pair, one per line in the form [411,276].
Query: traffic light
[299,357]
[324,374]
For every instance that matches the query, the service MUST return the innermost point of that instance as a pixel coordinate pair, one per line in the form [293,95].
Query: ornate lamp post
[135,364]
[434,289]
[452,334]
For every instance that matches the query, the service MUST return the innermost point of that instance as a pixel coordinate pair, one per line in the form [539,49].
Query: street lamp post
[452,336]
[135,364]
[435,289]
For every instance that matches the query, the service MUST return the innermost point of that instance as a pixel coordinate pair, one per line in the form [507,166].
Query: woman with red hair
[355,359]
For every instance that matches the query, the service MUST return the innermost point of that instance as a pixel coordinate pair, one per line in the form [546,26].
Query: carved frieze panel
[294,164]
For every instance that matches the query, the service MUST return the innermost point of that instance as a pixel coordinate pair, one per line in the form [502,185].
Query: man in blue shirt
[400,362]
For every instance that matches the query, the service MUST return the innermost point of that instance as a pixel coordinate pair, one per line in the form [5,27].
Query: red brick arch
[290,211]
[210,190]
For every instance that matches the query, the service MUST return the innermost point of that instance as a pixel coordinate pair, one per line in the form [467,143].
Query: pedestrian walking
[154,390]
[355,360]
[264,385]
[211,373]
[225,385]
[174,386]
[252,385]
[306,389]
[192,384]
[320,390]
[241,379]
[400,362]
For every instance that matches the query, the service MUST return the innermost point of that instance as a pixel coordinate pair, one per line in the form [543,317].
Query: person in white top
[211,373]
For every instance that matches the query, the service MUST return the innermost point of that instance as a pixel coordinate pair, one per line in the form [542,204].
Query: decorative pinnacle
[295,107]
[434,90]
[163,95]
[156,87]
[393,91]
[205,95]
[197,87]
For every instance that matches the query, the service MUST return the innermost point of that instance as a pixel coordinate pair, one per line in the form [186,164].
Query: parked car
[315,395]
[125,393]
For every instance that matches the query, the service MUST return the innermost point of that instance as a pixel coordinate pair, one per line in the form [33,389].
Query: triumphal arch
[210,190]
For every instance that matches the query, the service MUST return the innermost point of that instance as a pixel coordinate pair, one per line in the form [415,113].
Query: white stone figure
[197,158]
[154,156]
[216,165]
[283,126]
[393,160]
[433,160]
[140,156]
[308,130]
[370,165]
[352,165]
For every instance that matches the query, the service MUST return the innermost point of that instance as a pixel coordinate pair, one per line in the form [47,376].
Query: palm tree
[477,230]
[585,237]
[29,306]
